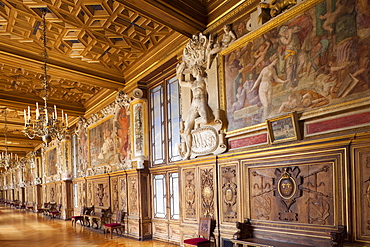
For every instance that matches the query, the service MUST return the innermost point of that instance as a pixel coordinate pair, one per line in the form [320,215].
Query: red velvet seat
[204,233]
[197,241]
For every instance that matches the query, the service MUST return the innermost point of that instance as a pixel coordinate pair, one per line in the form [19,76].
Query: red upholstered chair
[204,234]
[79,217]
[115,226]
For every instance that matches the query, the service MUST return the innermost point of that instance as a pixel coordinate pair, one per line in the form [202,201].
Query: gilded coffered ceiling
[95,48]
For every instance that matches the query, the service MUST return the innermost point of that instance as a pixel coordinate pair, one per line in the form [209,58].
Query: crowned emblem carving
[287,184]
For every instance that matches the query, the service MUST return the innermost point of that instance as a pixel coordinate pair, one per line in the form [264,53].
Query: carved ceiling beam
[19,103]
[186,17]
[16,148]
[21,138]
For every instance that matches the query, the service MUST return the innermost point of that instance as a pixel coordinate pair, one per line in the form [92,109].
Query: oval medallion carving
[229,195]
[207,192]
[190,195]
[286,187]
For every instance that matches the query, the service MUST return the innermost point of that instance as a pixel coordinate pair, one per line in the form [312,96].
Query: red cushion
[195,241]
[112,224]
[79,217]
[54,212]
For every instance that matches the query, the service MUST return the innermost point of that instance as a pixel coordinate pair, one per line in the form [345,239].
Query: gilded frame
[283,128]
[99,133]
[139,128]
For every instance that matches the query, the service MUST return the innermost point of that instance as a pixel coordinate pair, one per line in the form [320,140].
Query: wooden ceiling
[95,48]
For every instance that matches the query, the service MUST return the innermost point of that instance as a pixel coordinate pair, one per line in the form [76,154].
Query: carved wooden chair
[79,217]
[43,208]
[57,212]
[204,234]
[88,211]
[115,226]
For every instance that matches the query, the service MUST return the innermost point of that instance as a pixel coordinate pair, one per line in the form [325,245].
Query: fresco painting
[123,133]
[101,144]
[51,161]
[319,58]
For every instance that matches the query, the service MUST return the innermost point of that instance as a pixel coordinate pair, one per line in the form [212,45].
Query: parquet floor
[19,228]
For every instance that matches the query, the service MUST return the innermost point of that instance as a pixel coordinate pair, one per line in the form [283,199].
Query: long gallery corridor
[19,228]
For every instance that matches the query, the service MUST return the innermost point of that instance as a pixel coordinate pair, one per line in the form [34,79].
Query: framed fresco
[283,128]
[316,54]
[139,136]
[67,157]
[51,161]
[101,142]
[123,127]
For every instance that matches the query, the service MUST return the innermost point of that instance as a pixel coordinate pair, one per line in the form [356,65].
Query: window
[166,194]
[160,196]
[174,196]
[165,121]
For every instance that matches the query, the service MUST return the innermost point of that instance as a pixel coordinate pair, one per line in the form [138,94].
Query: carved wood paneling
[114,194]
[296,193]
[101,193]
[123,194]
[229,193]
[133,195]
[81,188]
[89,197]
[133,228]
[361,183]
[160,229]
[207,192]
[189,193]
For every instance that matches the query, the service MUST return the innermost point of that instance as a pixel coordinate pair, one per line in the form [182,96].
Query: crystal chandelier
[7,160]
[46,123]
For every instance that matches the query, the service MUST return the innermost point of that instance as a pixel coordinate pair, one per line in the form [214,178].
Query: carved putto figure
[274,7]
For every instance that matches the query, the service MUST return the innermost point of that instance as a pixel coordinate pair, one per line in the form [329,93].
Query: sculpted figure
[215,47]
[199,112]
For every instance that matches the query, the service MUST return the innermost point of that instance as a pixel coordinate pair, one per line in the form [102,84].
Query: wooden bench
[272,235]
[99,216]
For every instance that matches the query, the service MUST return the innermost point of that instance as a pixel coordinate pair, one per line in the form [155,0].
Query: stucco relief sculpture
[201,130]
[272,8]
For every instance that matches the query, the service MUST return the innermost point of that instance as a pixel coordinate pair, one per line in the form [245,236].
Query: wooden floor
[19,228]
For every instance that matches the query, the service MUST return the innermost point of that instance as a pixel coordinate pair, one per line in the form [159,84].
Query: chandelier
[7,160]
[46,123]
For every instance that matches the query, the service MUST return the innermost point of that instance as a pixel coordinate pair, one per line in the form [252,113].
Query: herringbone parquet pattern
[19,228]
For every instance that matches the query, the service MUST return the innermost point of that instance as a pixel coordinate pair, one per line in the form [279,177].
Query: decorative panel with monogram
[229,193]
[304,188]
[298,193]
[207,192]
